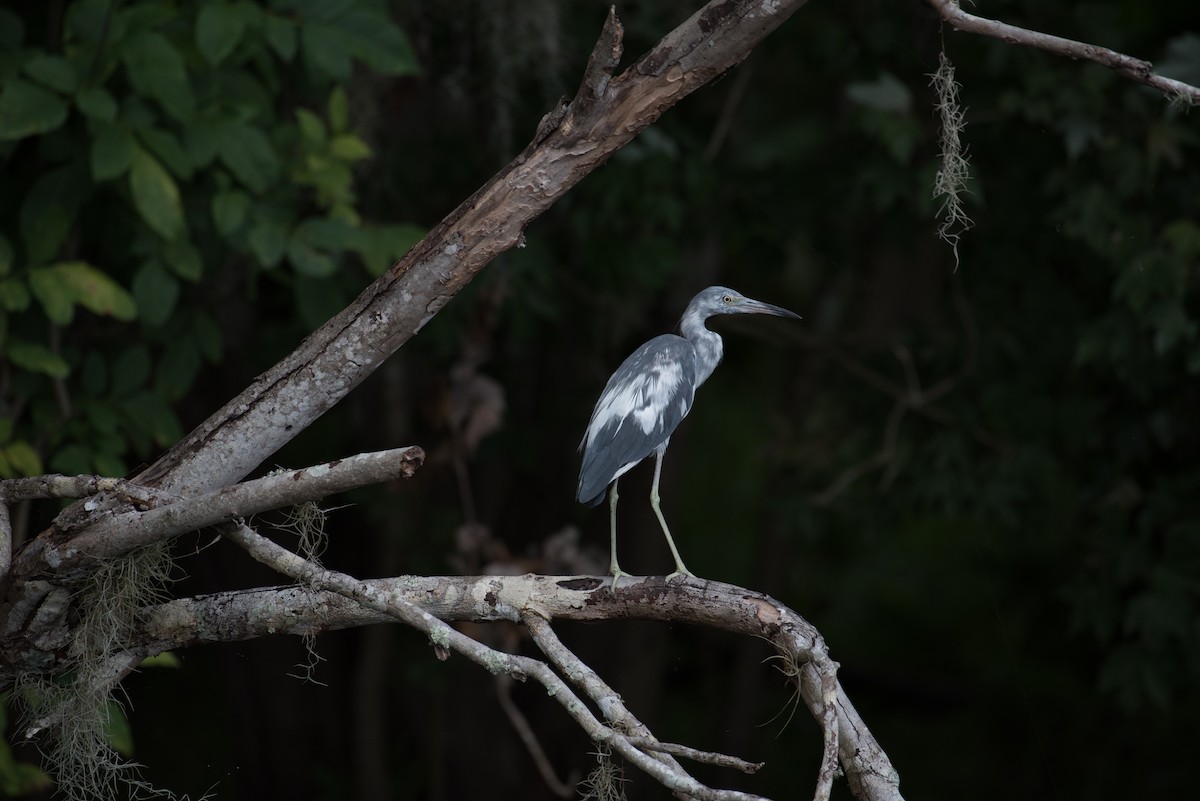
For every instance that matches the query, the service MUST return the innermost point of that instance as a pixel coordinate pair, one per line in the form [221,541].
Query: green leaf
[247,152]
[167,659]
[101,415]
[155,68]
[156,196]
[308,260]
[312,129]
[52,71]
[219,28]
[48,210]
[166,146]
[130,371]
[201,140]
[184,260]
[56,296]
[886,93]
[208,337]
[281,36]
[380,246]
[339,110]
[310,244]
[24,458]
[28,110]
[268,239]
[151,414]
[328,233]
[229,210]
[376,41]
[36,358]
[97,103]
[349,147]
[60,286]
[177,369]
[317,299]
[156,292]
[118,730]
[112,152]
[6,432]
[325,51]
[107,464]
[14,296]
[1172,325]
[73,460]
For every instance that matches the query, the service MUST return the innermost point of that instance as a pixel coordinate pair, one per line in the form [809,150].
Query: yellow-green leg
[613,567]
[680,568]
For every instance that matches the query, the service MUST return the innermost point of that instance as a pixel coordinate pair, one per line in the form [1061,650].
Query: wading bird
[647,397]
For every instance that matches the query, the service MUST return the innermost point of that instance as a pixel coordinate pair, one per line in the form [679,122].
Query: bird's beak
[749,306]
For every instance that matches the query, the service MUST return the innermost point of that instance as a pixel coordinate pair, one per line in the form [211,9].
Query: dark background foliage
[980,483]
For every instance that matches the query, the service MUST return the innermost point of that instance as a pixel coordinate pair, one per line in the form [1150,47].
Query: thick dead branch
[1133,68]
[256,613]
[121,533]
[445,638]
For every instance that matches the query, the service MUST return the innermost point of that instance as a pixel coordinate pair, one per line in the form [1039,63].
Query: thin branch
[562,789]
[581,675]
[59,486]
[115,535]
[1133,68]
[696,755]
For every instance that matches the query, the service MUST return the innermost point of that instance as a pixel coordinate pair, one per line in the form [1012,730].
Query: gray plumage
[649,395]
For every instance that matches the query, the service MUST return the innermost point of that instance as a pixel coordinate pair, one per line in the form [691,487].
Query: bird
[647,398]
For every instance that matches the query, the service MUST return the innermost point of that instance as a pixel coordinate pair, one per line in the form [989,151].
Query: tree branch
[248,614]
[445,638]
[1133,68]
[118,534]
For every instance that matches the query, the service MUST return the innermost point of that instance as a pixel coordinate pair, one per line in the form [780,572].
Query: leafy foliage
[149,150]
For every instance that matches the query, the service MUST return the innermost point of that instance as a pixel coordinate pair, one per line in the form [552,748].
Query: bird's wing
[646,398]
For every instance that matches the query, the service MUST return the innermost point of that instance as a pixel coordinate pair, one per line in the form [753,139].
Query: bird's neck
[709,348]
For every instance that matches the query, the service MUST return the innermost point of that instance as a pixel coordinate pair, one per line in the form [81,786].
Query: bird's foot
[682,571]
[616,573]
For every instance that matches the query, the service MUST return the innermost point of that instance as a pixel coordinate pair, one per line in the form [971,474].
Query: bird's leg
[680,569]
[613,567]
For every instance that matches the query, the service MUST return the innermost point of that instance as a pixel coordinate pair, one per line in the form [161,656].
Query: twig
[581,675]
[729,109]
[59,486]
[114,535]
[1133,68]
[601,64]
[696,755]
[562,789]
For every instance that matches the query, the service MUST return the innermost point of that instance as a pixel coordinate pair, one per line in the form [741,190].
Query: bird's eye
[727,299]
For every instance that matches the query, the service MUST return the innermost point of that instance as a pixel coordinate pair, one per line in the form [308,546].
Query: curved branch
[247,614]
[1133,68]
[445,639]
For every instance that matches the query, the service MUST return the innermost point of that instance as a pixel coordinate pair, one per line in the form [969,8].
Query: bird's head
[723,300]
